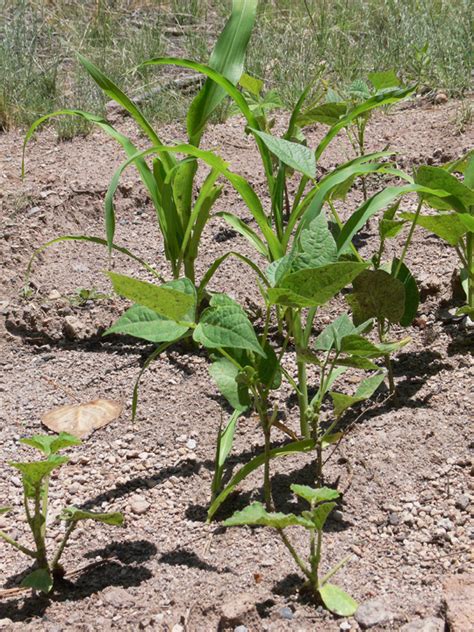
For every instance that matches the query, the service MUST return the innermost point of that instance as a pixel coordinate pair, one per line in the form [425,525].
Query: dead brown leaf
[81,420]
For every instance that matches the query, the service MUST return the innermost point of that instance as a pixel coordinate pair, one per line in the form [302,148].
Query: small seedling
[321,503]
[36,480]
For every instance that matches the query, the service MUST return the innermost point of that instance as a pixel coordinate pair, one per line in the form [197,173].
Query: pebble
[373,612]
[345,626]
[139,505]
[117,597]
[393,519]
[286,613]
[241,628]
[431,624]
[463,502]
[177,628]
[5,622]
[191,444]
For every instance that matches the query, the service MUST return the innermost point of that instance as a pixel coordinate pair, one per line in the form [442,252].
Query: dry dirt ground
[404,466]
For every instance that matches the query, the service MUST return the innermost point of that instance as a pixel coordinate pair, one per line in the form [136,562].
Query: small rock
[345,626]
[139,505]
[459,600]
[431,624]
[286,613]
[117,597]
[446,524]
[463,502]
[177,628]
[441,98]
[54,295]
[73,327]
[241,628]
[5,622]
[393,519]
[191,444]
[373,612]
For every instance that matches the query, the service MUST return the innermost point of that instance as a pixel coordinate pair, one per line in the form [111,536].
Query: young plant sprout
[36,481]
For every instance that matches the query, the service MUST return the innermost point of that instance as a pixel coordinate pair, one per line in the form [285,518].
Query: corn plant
[170,181]
[36,480]
[321,503]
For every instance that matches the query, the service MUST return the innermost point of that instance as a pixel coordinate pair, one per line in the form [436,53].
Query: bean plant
[321,502]
[36,481]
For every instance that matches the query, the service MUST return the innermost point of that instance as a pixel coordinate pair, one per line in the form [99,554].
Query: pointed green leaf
[228,59]
[332,335]
[313,287]
[338,601]
[314,495]
[326,113]
[384,79]
[251,84]
[359,346]
[167,302]
[412,296]
[460,196]
[320,514]
[468,221]
[279,268]
[73,514]
[40,579]
[50,444]
[256,514]
[227,326]
[224,373]
[294,155]
[449,226]
[377,294]
[389,228]
[33,473]
[367,387]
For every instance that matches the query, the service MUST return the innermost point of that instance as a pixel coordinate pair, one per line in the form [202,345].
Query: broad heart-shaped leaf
[412,296]
[40,579]
[256,514]
[377,294]
[315,286]
[295,447]
[224,373]
[228,59]
[337,600]
[460,196]
[366,388]
[326,113]
[384,79]
[356,345]
[314,494]
[73,514]
[316,246]
[142,322]
[332,335]
[33,473]
[294,155]
[167,302]
[448,226]
[50,444]
[226,325]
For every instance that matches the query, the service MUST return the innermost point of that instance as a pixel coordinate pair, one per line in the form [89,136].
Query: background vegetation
[426,40]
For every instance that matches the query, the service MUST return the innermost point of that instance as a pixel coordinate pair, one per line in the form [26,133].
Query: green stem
[17,545]
[267,485]
[62,546]
[334,570]
[294,554]
[470,268]
[409,238]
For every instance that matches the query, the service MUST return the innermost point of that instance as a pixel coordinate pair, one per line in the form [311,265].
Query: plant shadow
[183,557]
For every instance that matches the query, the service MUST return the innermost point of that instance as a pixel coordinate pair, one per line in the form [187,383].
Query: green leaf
[332,335]
[50,444]
[227,58]
[144,323]
[40,579]
[316,246]
[73,514]
[256,514]
[296,447]
[33,473]
[241,227]
[320,514]
[369,385]
[279,268]
[468,221]
[167,302]
[460,196]
[449,226]
[412,296]
[227,326]
[366,389]
[224,373]
[337,600]
[384,79]
[359,346]
[314,495]
[379,295]
[326,113]
[251,84]
[357,362]
[294,155]
[313,287]
[389,228]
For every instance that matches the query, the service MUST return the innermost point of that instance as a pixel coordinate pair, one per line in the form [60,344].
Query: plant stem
[267,485]
[294,554]
[17,545]
[409,238]
[387,358]
[334,569]
[59,552]
[470,268]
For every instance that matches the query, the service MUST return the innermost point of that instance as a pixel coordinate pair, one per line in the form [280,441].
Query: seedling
[36,480]
[321,502]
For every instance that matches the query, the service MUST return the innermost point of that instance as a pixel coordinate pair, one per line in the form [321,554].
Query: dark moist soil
[404,467]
